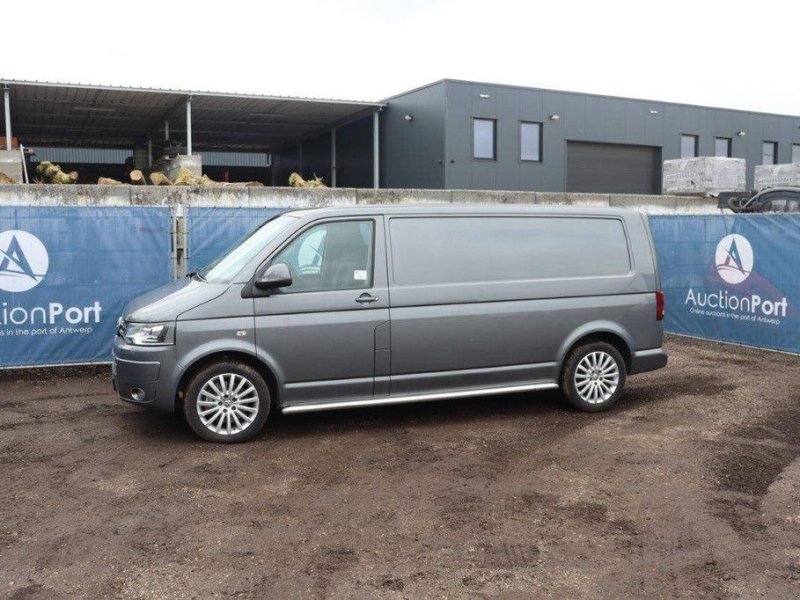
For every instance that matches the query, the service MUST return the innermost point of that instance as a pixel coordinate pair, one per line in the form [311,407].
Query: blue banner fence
[731,278]
[67,272]
[211,231]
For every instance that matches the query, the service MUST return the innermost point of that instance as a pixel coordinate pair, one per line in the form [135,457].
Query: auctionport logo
[734,262]
[734,258]
[23,261]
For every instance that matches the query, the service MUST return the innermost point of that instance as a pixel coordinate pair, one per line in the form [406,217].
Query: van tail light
[659,306]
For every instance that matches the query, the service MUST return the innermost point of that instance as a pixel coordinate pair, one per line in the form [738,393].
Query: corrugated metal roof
[54,114]
[181,92]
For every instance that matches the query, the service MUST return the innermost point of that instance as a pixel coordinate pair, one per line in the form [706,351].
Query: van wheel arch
[602,336]
[243,357]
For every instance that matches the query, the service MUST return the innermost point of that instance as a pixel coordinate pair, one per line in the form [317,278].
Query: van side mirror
[276,276]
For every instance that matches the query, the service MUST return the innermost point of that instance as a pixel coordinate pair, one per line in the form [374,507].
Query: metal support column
[7,102]
[300,157]
[376,150]
[166,131]
[333,157]
[189,126]
[149,153]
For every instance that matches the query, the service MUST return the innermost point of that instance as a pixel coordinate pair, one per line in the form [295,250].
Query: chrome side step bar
[389,400]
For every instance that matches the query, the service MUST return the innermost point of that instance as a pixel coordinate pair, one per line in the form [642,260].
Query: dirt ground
[690,487]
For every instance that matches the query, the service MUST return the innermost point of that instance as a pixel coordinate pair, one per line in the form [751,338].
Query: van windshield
[227,266]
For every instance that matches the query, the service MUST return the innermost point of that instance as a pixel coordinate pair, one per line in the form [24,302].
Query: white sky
[732,54]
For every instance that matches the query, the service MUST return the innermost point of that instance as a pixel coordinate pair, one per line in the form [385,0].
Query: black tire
[604,399]
[227,431]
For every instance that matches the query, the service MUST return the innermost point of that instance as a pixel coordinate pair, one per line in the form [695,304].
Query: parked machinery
[774,200]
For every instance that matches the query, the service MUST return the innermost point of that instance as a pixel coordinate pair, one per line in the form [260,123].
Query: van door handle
[365,298]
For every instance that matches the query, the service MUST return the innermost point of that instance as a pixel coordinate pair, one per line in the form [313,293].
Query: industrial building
[446,135]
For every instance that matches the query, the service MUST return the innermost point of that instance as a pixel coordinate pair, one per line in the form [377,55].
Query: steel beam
[376,150]
[7,102]
[333,157]
[189,126]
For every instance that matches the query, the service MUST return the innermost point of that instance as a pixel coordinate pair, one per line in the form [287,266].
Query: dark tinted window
[483,139]
[769,153]
[331,256]
[442,250]
[530,141]
[688,146]
[722,147]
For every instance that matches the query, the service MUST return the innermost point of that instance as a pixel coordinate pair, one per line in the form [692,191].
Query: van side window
[452,250]
[330,256]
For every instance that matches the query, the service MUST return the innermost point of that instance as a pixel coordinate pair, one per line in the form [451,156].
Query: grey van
[365,306]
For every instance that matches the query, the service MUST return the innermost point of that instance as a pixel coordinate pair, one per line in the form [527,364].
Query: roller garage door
[613,168]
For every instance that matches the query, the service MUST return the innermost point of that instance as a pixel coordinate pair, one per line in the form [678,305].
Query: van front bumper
[648,360]
[141,374]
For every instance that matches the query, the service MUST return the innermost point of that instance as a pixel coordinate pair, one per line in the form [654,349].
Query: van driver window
[330,256]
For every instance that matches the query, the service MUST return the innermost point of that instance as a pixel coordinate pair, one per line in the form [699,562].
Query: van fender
[590,328]
[229,345]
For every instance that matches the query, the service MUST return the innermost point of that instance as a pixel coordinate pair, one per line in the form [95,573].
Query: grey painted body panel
[323,348]
[530,335]
[325,342]
[165,303]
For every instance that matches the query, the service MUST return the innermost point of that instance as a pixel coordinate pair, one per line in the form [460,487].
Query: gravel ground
[690,487]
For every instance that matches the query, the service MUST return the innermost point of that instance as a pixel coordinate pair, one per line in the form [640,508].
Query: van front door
[323,333]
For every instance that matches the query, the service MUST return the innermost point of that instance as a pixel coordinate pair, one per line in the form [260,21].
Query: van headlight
[148,334]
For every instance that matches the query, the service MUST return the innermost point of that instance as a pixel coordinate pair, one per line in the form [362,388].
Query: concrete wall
[180,196]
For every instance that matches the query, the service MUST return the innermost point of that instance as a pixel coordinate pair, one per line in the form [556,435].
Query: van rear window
[447,250]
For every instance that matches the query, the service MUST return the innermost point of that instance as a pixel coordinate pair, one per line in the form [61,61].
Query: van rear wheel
[227,402]
[593,376]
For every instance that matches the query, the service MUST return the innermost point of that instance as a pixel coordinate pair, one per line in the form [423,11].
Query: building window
[796,153]
[484,139]
[530,141]
[722,147]
[769,153]
[689,146]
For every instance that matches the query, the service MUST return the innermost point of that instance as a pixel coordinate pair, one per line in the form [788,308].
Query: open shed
[108,130]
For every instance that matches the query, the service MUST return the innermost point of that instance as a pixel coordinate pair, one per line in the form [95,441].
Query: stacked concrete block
[767,176]
[11,164]
[707,175]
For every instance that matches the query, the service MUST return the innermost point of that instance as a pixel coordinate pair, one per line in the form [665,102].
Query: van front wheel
[227,402]
[593,377]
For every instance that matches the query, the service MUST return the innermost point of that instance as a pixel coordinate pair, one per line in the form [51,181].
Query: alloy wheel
[227,404]
[596,377]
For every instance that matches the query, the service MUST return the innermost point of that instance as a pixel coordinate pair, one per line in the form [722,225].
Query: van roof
[459,209]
